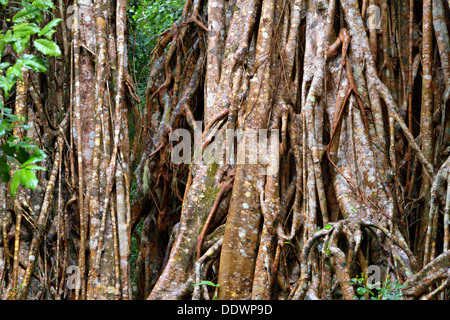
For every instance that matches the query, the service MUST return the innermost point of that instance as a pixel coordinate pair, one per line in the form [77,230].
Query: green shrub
[389,290]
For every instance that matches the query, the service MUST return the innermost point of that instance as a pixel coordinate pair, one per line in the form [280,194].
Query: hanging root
[201,267]
[342,246]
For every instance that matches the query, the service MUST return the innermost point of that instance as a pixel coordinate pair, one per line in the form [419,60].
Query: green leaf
[399,286]
[43,4]
[48,30]
[5,169]
[29,12]
[2,45]
[208,283]
[39,168]
[4,65]
[28,179]
[47,47]
[8,37]
[23,126]
[38,156]
[15,182]
[34,63]
[6,84]
[371,286]
[4,2]
[353,209]
[361,290]
[26,29]
[21,44]
[13,73]
[6,111]
[327,227]
[16,152]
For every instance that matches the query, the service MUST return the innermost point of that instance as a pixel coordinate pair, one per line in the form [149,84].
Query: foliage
[134,251]
[208,283]
[389,290]
[148,19]
[25,26]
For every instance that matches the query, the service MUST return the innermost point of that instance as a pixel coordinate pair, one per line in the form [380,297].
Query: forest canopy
[224,149]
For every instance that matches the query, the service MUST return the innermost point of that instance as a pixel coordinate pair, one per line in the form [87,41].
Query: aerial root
[435,271]
[201,268]
[342,259]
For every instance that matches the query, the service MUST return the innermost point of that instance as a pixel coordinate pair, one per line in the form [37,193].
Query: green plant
[134,251]
[208,283]
[327,250]
[389,290]
[22,153]
[148,19]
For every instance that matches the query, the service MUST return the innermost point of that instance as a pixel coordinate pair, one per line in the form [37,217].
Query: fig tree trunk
[282,149]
